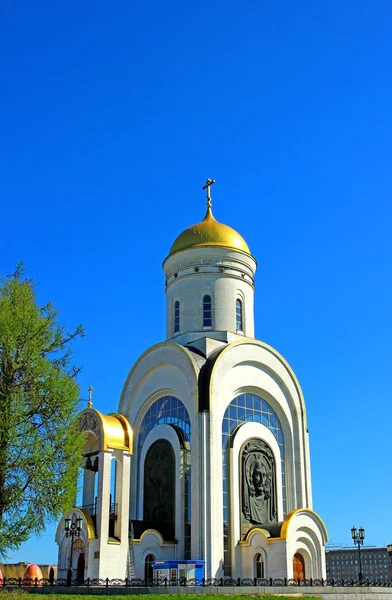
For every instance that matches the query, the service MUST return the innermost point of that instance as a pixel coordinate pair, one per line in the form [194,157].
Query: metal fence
[183,582]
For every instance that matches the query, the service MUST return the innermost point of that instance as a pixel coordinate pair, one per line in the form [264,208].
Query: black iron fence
[183,582]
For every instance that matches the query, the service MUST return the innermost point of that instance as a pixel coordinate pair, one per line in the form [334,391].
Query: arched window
[176,317]
[242,409]
[148,568]
[259,566]
[207,311]
[171,411]
[238,315]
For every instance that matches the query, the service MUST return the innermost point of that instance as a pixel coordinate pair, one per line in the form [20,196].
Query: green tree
[40,444]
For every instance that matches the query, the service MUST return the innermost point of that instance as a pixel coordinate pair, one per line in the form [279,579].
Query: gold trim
[285,525]
[89,524]
[114,542]
[209,232]
[249,533]
[156,346]
[155,531]
[283,531]
[127,430]
[116,431]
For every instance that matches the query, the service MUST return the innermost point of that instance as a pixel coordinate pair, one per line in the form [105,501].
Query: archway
[259,566]
[148,570]
[298,566]
[159,488]
[80,568]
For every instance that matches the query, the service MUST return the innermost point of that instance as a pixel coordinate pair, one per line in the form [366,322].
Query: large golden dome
[209,232]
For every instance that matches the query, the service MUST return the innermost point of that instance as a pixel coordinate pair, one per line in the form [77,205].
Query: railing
[183,582]
[92,509]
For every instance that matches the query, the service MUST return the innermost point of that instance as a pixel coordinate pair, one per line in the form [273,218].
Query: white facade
[196,404]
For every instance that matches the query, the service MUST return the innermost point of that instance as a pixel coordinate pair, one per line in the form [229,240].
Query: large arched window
[159,503]
[176,317]
[242,409]
[172,411]
[207,311]
[238,315]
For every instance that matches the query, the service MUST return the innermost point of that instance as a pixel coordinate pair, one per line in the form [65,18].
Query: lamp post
[358,537]
[72,530]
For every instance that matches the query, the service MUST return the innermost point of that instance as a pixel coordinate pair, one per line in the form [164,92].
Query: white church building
[205,468]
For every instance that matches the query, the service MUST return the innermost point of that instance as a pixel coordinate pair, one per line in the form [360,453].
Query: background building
[343,563]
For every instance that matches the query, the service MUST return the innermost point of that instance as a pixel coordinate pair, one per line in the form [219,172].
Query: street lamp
[72,529]
[358,537]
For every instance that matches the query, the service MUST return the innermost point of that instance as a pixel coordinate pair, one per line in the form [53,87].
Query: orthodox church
[205,470]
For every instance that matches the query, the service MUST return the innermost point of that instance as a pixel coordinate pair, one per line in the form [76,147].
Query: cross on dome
[90,397]
[209,183]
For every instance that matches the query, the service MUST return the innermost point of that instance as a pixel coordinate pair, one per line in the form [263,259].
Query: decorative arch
[176,437]
[159,504]
[245,408]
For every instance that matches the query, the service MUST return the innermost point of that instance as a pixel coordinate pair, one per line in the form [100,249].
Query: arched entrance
[148,570]
[80,568]
[298,566]
[259,566]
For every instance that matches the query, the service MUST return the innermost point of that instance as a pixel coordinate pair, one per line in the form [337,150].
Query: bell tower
[209,283]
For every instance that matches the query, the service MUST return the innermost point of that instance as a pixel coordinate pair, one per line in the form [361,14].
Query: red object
[33,572]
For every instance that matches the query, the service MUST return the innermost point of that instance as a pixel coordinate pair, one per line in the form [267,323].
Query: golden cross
[207,186]
[90,397]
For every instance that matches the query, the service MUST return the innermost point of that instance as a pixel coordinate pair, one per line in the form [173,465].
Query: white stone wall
[220,273]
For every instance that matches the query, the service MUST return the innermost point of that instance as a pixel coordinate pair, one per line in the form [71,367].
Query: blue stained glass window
[171,410]
[176,317]
[238,315]
[207,311]
[257,410]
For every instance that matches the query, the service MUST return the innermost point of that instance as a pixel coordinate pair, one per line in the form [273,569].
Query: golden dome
[209,232]
[111,431]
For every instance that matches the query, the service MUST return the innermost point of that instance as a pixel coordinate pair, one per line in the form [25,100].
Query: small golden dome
[209,232]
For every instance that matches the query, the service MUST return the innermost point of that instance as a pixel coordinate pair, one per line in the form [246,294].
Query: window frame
[176,321]
[239,317]
[207,325]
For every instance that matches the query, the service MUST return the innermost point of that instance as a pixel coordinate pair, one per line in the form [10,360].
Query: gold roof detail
[209,232]
[111,431]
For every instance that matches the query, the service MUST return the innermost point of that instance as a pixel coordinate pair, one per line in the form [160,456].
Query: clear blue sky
[112,117]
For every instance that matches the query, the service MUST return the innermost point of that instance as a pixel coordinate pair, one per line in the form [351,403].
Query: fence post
[4,582]
[221,582]
[311,581]
[88,582]
[36,582]
[165,581]
[239,581]
[285,581]
[126,582]
[20,582]
[107,582]
[270,581]
[203,582]
[255,581]
[184,583]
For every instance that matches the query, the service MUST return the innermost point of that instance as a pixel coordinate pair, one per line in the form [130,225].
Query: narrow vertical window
[207,311]
[176,317]
[238,315]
